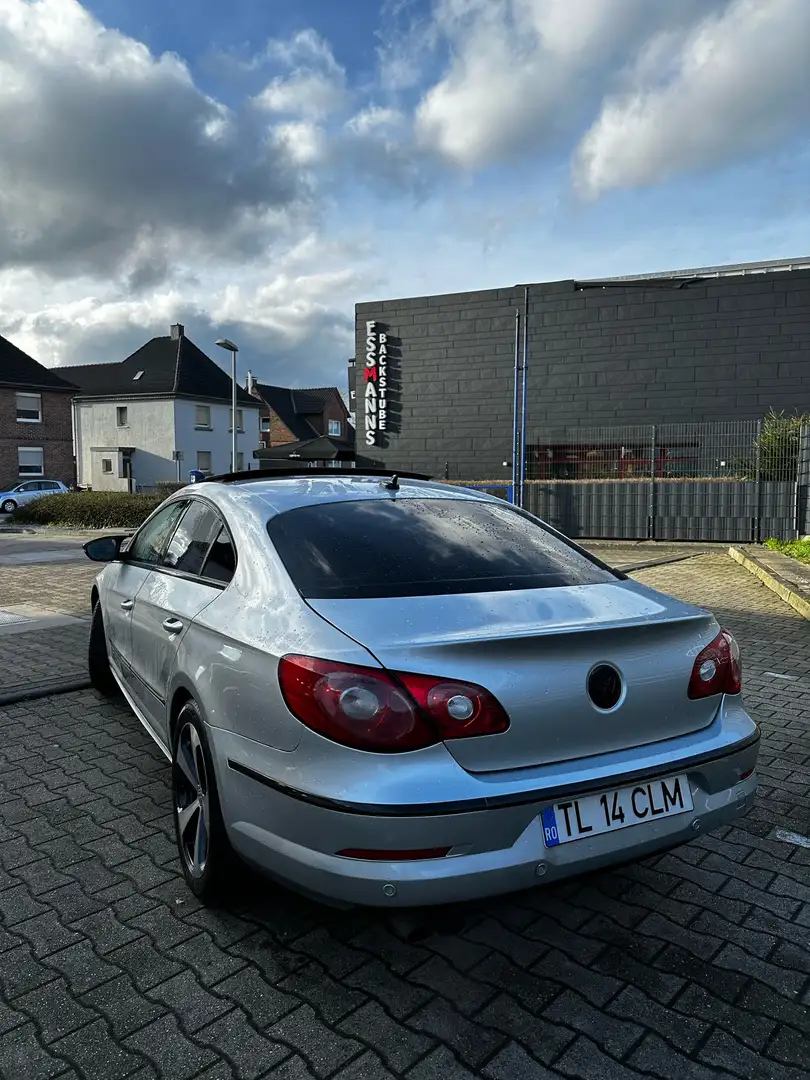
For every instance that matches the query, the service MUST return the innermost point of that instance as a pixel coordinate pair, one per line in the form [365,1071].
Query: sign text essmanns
[375,375]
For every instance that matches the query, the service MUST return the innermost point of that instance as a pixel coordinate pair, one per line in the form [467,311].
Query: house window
[204,460]
[31,460]
[265,423]
[29,408]
[240,461]
[202,417]
[122,416]
[240,425]
[106,465]
[335,427]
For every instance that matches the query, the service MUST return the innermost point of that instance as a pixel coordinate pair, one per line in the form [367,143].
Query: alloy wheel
[191,800]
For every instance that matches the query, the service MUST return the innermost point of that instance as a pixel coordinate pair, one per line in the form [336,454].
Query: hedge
[89,510]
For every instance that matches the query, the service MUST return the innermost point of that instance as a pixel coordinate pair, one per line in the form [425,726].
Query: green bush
[89,510]
[797,549]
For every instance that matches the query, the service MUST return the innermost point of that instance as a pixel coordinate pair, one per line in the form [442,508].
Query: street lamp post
[224,343]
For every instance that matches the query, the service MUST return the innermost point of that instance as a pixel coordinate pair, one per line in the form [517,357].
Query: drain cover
[11,618]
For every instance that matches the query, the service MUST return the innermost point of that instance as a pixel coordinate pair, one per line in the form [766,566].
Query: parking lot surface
[694,964]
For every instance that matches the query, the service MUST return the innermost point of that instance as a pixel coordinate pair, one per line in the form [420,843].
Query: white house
[157,415]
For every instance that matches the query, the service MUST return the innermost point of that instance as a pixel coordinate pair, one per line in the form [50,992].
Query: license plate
[609,811]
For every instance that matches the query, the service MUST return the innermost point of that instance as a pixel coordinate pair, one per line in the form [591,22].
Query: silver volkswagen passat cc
[383,690]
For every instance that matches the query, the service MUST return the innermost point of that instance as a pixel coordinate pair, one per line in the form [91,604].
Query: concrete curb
[773,580]
[43,689]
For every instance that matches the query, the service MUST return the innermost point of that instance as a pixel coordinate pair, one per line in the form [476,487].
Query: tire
[9,506]
[98,660]
[205,852]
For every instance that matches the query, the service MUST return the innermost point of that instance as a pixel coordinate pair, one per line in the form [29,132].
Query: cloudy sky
[256,168]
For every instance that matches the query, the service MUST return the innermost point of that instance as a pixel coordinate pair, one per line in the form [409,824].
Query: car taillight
[370,709]
[717,668]
[459,710]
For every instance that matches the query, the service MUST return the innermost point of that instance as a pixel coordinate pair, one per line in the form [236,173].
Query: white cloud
[736,83]
[315,84]
[517,71]
[113,161]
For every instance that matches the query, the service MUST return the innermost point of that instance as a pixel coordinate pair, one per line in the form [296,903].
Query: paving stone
[654,1057]
[684,1032]
[21,1056]
[55,1010]
[250,1052]
[263,1002]
[125,1008]
[105,930]
[466,994]
[780,979]
[598,989]
[399,996]
[440,1065]
[722,1050]
[471,1042]
[614,1036]
[584,1060]
[17,904]
[20,972]
[82,967]
[93,1050]
[398,1046]
[323,1049]
[209,962]
[332,1000]
[521,949]
[46,934]
[163,927]
[513,1063]
[145,965]
[190,1003]
[545,1040]
[172,1054]
[532,991]
[366,1067]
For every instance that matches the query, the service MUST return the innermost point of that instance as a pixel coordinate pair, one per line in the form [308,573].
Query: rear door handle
[127,605]
[174,626]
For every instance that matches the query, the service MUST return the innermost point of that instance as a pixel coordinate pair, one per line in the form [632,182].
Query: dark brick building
[36,432]
[717,344]
[303,425]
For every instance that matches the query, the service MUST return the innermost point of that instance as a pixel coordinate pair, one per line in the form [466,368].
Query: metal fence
[737,481]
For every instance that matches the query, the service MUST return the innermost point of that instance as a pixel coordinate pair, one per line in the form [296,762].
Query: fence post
[801,453]
[651,500]
[758,509]
[516,415]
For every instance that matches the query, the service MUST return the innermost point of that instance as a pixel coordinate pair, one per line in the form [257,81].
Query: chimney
[250,384]
[178,330]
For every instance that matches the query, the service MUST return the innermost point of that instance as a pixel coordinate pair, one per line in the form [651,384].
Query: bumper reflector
[394,856]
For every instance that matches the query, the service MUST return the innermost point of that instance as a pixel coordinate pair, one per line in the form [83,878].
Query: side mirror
[105,548]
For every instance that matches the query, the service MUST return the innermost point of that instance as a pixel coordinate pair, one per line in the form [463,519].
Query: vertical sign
[375,375]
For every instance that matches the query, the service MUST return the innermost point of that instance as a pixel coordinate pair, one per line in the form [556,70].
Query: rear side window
[192,538]
[221,562]
[411,547]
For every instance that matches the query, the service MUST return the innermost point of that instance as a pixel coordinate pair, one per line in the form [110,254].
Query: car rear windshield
[411,547]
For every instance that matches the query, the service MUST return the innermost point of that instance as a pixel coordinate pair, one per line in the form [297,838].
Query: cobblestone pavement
[52,655]
[45,653]
[693,964]
[61,588]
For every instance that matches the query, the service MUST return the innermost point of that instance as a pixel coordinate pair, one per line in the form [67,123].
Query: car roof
[269,496]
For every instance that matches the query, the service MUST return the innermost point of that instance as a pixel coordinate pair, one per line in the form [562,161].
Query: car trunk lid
[534,650]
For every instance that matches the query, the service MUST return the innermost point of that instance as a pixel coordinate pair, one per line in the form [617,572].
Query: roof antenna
[393,483]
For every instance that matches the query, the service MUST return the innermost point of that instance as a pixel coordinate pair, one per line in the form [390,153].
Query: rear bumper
[495,849]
